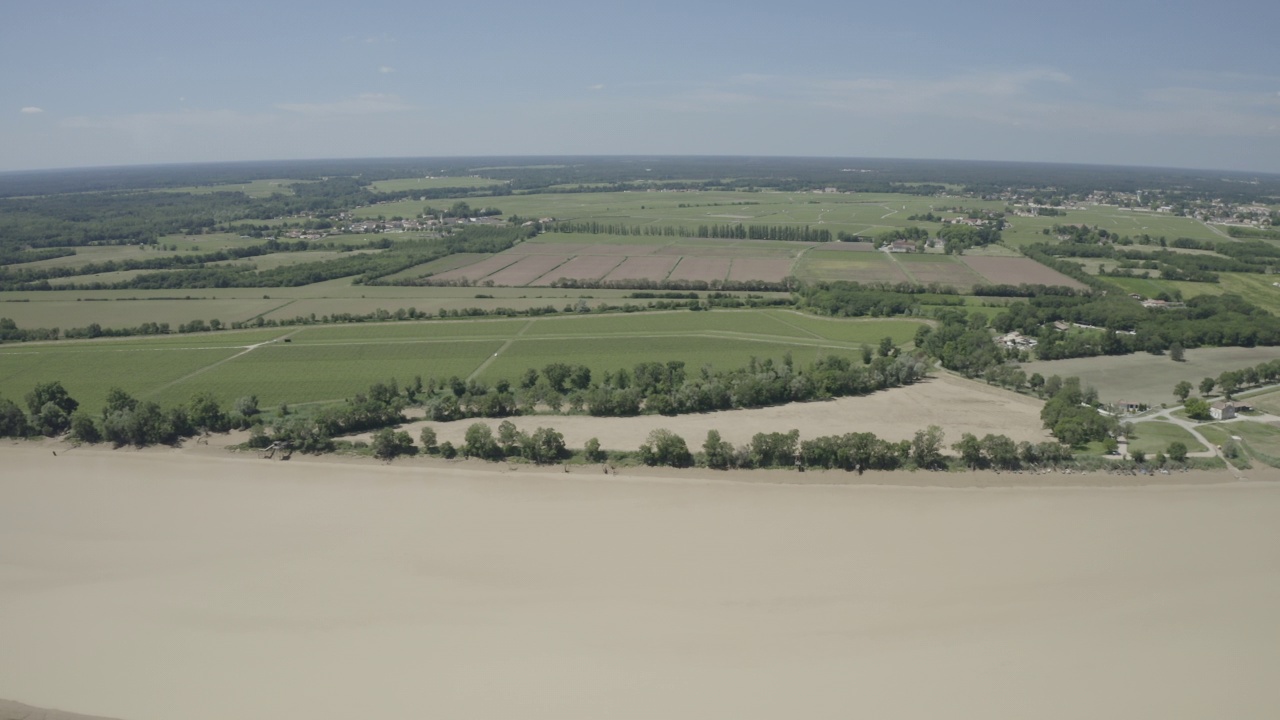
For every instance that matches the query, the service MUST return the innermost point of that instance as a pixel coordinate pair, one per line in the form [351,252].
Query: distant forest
[527,174]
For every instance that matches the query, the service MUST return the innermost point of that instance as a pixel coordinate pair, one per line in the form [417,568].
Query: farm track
[248,349]
[489,360]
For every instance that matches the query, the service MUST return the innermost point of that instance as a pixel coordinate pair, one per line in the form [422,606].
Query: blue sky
[1174,84]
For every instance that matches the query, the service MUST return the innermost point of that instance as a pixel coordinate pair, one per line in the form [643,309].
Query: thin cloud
[365,104]
[31,110]
[386,69]
[596,88]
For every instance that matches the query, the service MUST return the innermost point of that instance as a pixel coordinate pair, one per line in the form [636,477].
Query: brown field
[1015,271]
[526,270]
[643,268]
[564,248]
[701,268]
[767,269]
[475,271]
[582,267]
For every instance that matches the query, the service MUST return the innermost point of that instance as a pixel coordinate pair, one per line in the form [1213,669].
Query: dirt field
[166,585]
[526,270]
[1015,271]
[475,271]
[642,268]
[582,267]
[766,269]
[956,404]
[701,268]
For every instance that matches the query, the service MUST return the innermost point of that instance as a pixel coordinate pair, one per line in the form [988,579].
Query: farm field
[328,362]
[1018,270]
[1147,378]
[831,266]
[864,214]
[256,188]
[1254,287]
[1154,437]
[926,268]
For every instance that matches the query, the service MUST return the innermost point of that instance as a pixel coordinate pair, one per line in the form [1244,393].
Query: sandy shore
[193,584]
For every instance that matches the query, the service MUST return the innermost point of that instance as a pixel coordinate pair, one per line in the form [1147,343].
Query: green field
[1261,440]
[431,183]
[256,188]
[1154,437]
[320,363]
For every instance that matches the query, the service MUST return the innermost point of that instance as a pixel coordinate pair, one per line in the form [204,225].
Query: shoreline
[955,479]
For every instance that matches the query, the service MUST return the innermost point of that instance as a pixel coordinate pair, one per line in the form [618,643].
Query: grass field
[256,188]
[1147,378]
[1266,402]
[1154,437]
[1260,439]
[329,362]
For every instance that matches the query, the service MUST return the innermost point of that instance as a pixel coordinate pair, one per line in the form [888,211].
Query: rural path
[901,266]
[1166,415]
[247,349]
[489,360]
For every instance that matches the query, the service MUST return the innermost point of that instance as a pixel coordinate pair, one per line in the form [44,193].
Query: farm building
[1129,406]
[1222,410]
[902,246]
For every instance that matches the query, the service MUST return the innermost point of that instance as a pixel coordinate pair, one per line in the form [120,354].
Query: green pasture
[1257,288]
[1261,440]
[296,372]
[1154,437]
[1267,402]
[88,370]
[1025,230]
[820,265]
[328,362]
[444,264]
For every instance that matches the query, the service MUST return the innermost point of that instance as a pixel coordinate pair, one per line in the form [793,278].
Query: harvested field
[526,270]
[850,246]
[1016,271]
[766,269]
[475,271]
[444,264]
[643,268]
[582,267]
[701,268]
[960,406]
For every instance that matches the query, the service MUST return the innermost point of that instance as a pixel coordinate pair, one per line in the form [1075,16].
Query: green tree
[1177,451]
[478,442]
[51,392]
[1182,390]
[1176,352]
[926,448]
[1138,456]
[718,453]
[388,444]
[664,447]
[591,450]
[1207,385]
[13,422]
[427,438]
[970,450]
[1197,408]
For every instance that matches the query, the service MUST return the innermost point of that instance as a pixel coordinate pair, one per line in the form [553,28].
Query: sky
[1128,82]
